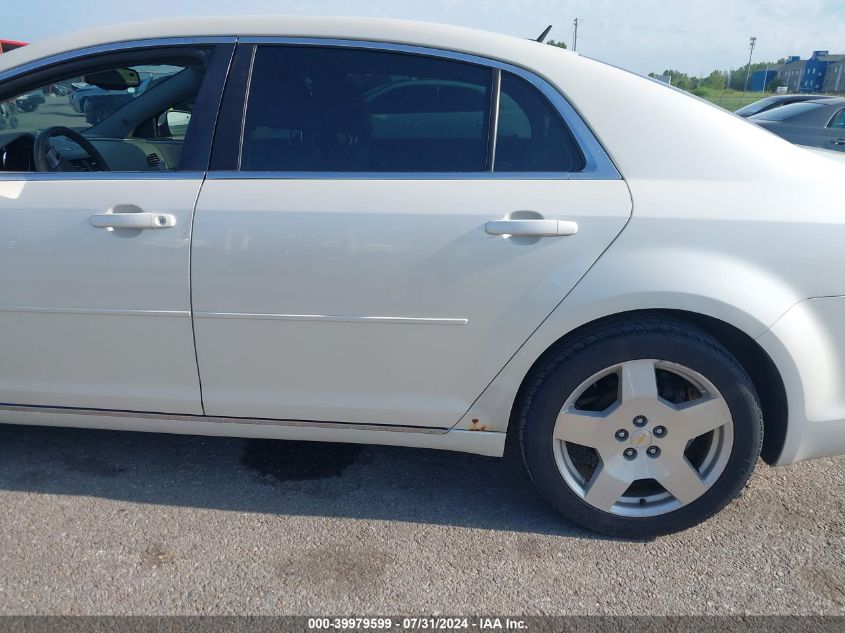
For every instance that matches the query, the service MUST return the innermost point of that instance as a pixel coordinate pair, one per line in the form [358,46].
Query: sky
[693,36]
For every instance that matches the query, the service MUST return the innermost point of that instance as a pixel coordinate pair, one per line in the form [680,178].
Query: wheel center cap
[640,438]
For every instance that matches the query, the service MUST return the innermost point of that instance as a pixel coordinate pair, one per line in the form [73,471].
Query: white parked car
[646,290]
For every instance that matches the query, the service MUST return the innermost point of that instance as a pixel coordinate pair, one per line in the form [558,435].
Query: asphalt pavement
[98,522]
[56,110]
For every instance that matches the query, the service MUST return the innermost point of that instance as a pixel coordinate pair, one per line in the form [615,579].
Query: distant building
[761,78]
[814,72]
[834,78]
[792,72]
[823,72]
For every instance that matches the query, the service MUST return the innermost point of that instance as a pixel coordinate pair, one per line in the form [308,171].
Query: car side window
[838,121]
[532,136]
[326,109]
[135,110]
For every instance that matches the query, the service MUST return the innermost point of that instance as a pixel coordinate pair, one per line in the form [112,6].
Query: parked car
[646,292]
[30,102]
[819,123]
[8,118]
[101,105]
[79,97]
[7,46]
[775,101]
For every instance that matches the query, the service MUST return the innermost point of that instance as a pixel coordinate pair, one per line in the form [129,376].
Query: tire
[586,390]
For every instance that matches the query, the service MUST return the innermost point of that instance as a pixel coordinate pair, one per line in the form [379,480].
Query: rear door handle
[534,228]
[133,220]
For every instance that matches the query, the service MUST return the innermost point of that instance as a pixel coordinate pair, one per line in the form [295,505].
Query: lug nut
[653,451]
[660,431]
[621,435]
[630,453]
[640,421]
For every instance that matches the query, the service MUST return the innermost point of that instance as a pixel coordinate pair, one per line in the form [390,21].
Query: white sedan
[387,232]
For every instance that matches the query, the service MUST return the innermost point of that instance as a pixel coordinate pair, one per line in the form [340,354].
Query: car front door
[94,264]
[836,132]
[358,260]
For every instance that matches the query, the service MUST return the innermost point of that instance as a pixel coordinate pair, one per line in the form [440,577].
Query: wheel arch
[753,358]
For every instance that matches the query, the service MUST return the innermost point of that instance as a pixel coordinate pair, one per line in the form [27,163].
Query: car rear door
[95,265]
[357,260]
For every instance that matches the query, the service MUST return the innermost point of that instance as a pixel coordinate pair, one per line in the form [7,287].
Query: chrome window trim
[836,114]
[7,176]
[493,132]
[115,47]
[399,175]
[247,90]
[599,166]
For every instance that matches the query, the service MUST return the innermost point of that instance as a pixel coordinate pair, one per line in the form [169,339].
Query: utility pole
[748,68]
[575,37]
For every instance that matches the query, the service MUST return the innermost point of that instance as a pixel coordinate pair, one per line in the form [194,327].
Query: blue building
[814,72]
[761,78]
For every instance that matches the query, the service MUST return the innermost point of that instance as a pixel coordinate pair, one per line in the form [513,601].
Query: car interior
[135,118]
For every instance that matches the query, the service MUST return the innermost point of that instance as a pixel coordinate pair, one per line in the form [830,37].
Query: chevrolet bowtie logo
[641,439]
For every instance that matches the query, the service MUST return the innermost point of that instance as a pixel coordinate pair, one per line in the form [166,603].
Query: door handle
[133,220]
[838,141]
[532,228]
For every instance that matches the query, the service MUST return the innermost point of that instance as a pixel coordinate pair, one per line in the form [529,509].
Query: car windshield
[75,104]
[788,111]
[757,106]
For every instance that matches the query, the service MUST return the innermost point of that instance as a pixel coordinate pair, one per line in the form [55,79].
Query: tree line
[734,79]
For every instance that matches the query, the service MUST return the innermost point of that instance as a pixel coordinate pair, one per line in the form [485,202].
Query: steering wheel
[48,158]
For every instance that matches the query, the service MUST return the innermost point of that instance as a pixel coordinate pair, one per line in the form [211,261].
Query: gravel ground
[98,522]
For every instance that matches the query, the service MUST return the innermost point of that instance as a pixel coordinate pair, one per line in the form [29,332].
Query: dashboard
[132,154]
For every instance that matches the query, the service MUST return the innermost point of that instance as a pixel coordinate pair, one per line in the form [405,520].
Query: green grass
[731,99]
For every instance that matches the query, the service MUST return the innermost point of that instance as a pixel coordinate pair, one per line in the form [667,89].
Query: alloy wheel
[643,438]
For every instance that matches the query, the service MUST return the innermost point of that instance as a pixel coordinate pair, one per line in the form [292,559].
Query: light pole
[748,68]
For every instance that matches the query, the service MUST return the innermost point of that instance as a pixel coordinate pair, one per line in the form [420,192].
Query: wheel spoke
[702,416]
[605,488]
[639,380]
[581,427]
[681,479]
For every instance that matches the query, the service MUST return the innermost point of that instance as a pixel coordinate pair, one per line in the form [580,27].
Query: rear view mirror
[114,79]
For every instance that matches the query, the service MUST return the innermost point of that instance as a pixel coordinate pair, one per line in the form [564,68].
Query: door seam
[191,289]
